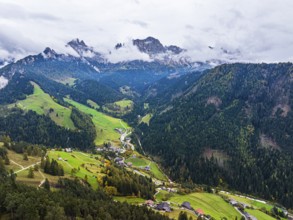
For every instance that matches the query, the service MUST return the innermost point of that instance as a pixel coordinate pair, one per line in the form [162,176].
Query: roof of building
[200,211]
[186,205]
[163,206]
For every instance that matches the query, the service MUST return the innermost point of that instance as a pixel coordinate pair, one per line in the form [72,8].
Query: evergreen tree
[182,216]
[47,165]
[46,184]
[25,157]
[30,173]
[7,162]
[60,170]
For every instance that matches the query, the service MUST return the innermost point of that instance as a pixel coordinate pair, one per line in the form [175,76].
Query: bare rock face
[214,100]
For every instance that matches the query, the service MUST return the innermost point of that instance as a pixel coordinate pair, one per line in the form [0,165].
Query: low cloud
[256,31]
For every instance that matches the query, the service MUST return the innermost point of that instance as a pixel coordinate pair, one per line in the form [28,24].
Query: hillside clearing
[259,214]
[119,108]
[43,104]
[250,202]
[104,124]
[85,165]
[141,162]
[211,204]
[146,119]
[129,199]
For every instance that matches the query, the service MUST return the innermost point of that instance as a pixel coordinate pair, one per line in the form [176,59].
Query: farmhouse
[68,150]
[163,206]
[186,205]
[119,161]
[233,202]
[149,203]
[147,168]
[249,217]
[199,212]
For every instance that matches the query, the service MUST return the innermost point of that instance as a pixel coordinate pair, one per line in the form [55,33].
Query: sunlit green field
[129,199]
[259,214]
[141,162]
[146,119]
[105,124]
[41,103]
[124,103]
[85,164]
[250,202]
[211,204]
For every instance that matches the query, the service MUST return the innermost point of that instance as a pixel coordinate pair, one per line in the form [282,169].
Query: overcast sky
[260,30]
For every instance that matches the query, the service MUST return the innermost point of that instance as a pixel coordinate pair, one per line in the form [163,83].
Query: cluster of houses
[241,206]
[198,212]
[165,206]
[114,149]
[120,161]
[168,189]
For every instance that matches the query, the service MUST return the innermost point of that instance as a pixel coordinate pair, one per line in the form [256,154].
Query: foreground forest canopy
[72,200]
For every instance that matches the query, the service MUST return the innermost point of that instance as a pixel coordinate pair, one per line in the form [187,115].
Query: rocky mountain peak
[150,45]
[49,53]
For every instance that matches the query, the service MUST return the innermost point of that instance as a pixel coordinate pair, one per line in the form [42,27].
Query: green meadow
[146,119]
[259,214]
[105,124]
[125,103]
[250,202]
[43,104]
[86,166]
[141,162]
[211,204]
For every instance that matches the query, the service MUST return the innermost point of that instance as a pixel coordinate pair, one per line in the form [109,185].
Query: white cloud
[261,30]
[127,52]
[3,82]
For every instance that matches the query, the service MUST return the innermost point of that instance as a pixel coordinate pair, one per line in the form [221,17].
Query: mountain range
[228,126]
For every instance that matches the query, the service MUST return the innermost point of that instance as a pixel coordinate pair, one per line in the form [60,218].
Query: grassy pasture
[146,119]
[105,124]
[141,162]
[85,165]
[129,199]
[211,204]
[259,214]
[250,202]
[41,103]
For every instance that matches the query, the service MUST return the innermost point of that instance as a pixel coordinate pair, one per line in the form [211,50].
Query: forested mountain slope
[234,127]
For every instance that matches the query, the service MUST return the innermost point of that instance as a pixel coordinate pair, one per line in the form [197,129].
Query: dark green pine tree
[30,173]
[46,184]
[25,157]
[60,170]
[47,165]
[7,162]
[182,216]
